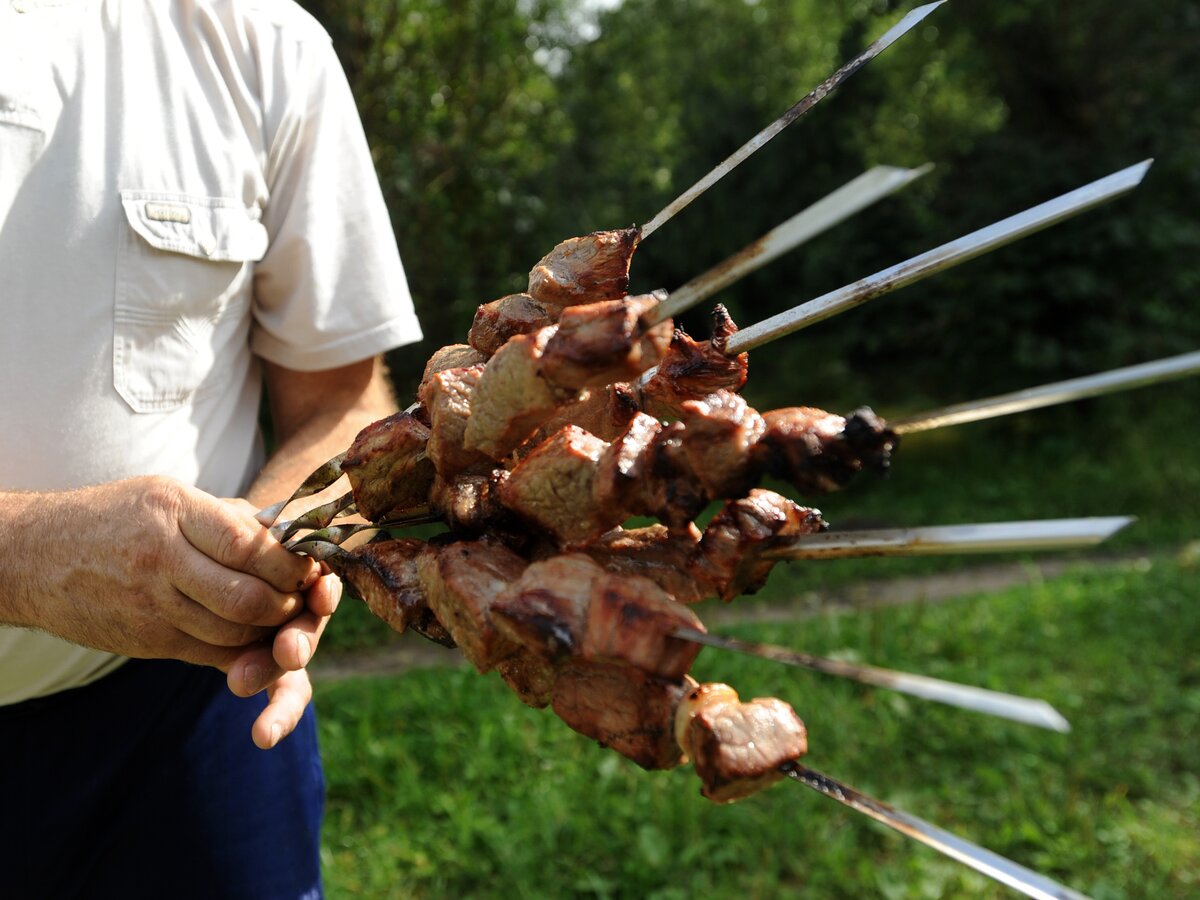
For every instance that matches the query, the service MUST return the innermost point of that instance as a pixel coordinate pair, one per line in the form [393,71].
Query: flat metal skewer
[810,100]
[990,537]
[1003,870]
[992,703]
[317,517]
[852,197]
[939,259]
[1156,372]
[325,475]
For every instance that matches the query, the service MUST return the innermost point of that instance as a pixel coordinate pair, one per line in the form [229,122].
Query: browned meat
[447,396]
[737,748]
[384,575]
[668,558]
[670,490]
[388,467]
[530,678]
[570,606]
[819,452]
[501,319]
[722,429]
[461,580]
[585,269]
[733,542]
[622,708]
[455,356]
[470,502]
[623,470]
[603,343]
[691,370]
[605,412]
[513,398]
[551,488]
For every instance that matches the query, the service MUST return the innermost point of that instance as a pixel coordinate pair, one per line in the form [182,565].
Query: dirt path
[411,651]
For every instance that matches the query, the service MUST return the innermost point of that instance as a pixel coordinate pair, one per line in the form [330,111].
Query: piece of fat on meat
[602,343]
[389,467]
[622,708]
[585,269]
[461,580]
[505,318]
[447,398]
[551,489]
[512,399]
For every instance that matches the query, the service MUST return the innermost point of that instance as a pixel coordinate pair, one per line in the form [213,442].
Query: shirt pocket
[184,279]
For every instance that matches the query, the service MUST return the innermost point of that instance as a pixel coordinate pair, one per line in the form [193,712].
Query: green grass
[442,785]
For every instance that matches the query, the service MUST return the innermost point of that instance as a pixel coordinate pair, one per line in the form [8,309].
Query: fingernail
[276,733]
[303,649]
[253,676]
[335,590]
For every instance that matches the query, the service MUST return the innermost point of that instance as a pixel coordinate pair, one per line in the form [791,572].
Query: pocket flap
[215,228]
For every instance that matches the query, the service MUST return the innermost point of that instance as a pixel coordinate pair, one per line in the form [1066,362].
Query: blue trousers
[146,784]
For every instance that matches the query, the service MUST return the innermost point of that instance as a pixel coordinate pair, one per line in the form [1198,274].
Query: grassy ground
[442,785]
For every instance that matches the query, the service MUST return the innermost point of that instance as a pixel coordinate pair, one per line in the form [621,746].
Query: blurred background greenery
[500,127]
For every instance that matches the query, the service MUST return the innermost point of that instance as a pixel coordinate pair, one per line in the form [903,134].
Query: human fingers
[253,669]
[236,541]
[233,595]
[289,697]
[194,620]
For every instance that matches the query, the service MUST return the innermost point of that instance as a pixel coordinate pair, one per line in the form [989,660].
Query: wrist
[23,540]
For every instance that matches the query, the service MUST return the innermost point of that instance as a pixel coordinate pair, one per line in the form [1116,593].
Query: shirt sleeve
[331,289]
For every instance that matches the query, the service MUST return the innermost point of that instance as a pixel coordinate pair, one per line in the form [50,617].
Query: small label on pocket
[168,212]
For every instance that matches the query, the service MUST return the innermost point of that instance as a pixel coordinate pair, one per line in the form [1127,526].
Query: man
[187,209]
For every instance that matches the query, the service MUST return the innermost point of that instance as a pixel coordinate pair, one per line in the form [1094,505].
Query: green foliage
[442,785]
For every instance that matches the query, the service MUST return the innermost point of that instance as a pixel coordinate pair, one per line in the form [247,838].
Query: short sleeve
[331,288]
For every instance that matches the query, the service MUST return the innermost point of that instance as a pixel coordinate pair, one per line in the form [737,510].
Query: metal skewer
[1156,372]
[818,93]
[325,475]
[939,259]
[317,517]
[991,537]
[1007,872]
[992,703]
[852,197]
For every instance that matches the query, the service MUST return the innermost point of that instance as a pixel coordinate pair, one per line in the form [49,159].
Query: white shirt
[184,186]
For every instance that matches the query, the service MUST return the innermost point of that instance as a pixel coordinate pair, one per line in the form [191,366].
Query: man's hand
[147,567]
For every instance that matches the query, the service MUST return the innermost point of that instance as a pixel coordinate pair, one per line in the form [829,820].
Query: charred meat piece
[585,269]
[733,542]
[623,470]
[602,343]
[513,398]
[737,748]
[502,319]
[461,580]
[691,370]
[605,412]
[388,467]
[551,488]
[470,502]
[622,708]
[454,356]
[447,396]
[384,575]
[668,558]
[569,606]
[819,452]
[670,491]
[722,429]
[531,678]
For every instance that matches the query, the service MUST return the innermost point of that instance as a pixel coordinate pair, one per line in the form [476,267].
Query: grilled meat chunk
[691,370]
[531,678]
[605,412]
[388,467]
[601,343]
[668,558]
[447,396]
[622,708]
[384,575]
[731,549]
[513,398]
[722,429]
[454,356]
[470,503]
[737,748]
[551,488]
[502,319]
[623,470]
[585,269]
[819,452]
[461,581]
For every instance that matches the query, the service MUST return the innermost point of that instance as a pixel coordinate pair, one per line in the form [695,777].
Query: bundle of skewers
[574,408]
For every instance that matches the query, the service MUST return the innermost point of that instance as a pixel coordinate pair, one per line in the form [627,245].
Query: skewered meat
[507,317]
[819,452]
[455,356]
[722,430]
[671,559]
[469,503]
[600,343]
[461,581]
[384,575]
[447,397]
[622,708]
[570,606]
[531,678]
[737,748]
[585,269]
[388,467]
[691,370]
[605,412]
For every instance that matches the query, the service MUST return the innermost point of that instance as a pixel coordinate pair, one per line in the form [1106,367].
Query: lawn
[442,785]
